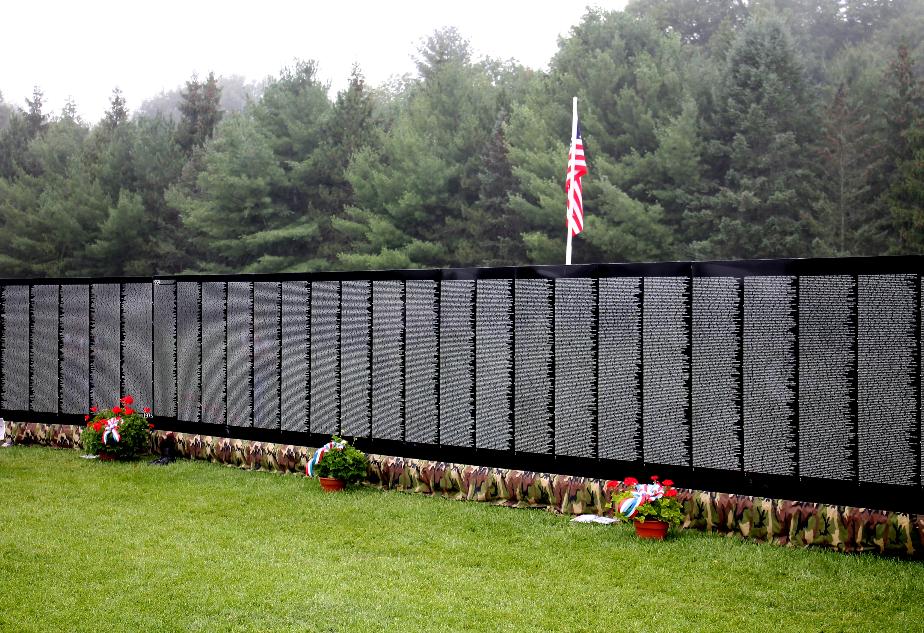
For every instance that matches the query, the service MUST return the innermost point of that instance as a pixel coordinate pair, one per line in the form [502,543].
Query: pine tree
[200,111]
[6,111]
[14,144]
[292,117]
[52,212]
[904,103]
[157,162]
[905,116]
[293,111]
[69,111]
[847,159]
[36,120]
[240,222]
[765,182]
[117,114]
[123,244]
[350,127]
[906,196]
[671,175]
[491,227]
[114,159]
[411,192]
[696,21]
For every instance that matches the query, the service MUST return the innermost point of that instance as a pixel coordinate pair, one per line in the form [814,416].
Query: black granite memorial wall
[790,378]
[294,376]
[44,373]
[266,354]
[355,354]
[533,382]
[421,361]
[214,352]
[239,346]
[74,340]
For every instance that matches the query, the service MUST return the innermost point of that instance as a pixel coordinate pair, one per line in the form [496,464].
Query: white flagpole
[574,122]
[568,247]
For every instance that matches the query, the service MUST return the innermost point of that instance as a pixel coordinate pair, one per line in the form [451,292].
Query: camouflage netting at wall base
[792,523]
[57,435]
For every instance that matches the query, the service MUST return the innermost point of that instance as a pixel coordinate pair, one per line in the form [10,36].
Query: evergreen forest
[714,129]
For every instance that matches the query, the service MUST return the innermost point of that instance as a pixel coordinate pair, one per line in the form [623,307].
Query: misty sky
[84,49]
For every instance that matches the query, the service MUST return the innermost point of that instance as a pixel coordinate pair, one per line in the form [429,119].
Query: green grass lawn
[90,546]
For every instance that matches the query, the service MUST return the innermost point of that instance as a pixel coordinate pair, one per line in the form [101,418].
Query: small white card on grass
[593,518]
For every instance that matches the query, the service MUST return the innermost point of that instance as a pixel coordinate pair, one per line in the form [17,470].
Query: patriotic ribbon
[112,428]
[319,455]
[643,493]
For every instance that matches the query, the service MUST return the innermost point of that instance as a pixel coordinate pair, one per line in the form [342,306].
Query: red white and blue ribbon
[112,429]
[642,494]
[319,455]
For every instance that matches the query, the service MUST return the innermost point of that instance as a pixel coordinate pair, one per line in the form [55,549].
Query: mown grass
[90,546]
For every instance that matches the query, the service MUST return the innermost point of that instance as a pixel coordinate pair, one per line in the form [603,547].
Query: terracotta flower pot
[331,484]
[651,529]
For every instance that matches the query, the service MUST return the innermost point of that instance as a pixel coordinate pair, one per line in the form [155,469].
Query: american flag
[577,167]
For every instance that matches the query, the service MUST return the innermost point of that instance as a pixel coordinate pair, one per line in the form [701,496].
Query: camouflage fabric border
[56,435]
[266,456]
[791,523]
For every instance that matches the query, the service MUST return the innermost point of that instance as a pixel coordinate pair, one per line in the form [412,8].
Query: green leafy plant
[119,431]
[656,501]
[342,461]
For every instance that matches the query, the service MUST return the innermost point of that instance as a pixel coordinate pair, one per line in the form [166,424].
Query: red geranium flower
[93,409]
[116,410]
[612,485]
[85,418]
[150,426]
[667,482]
[630,481]
[129,410]
[147,409]
[97,426]
[654,477]
[127,400]
[671,493]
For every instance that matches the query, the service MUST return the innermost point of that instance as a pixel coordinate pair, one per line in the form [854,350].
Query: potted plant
[118,432]
[337,464]
[653,507]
